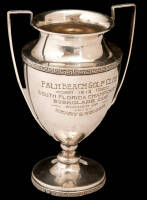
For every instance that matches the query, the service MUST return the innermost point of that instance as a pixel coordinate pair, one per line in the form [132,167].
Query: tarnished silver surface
[71,75]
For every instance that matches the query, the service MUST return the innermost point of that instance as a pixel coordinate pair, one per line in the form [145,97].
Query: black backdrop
[116,143]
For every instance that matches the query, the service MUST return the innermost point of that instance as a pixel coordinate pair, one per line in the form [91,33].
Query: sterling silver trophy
[72,78]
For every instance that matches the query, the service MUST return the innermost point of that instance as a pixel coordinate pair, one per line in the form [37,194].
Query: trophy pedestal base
[68,180]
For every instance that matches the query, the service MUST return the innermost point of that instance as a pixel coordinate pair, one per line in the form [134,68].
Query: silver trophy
[72,79]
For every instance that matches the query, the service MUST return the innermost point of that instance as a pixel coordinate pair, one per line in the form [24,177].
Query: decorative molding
[71,69]
[68,194]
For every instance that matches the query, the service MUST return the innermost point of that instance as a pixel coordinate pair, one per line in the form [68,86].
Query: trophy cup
[72,78]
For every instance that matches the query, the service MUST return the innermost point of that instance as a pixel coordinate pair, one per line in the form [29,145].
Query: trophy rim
[107,23]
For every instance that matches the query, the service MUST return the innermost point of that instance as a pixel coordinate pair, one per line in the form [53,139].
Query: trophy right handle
[113,8]
[23,90]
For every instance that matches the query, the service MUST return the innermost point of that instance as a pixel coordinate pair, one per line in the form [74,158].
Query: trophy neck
[67,48]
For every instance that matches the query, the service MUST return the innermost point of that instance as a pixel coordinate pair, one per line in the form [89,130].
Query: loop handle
[23,90]
[131,40]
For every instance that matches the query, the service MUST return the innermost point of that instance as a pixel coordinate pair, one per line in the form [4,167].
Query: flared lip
[67,15]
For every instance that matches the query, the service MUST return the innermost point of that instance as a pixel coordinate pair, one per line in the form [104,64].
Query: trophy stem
[68,155]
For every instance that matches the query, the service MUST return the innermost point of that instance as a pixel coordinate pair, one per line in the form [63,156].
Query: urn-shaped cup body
[71,72]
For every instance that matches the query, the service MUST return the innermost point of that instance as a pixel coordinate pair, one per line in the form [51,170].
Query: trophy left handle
[23,90]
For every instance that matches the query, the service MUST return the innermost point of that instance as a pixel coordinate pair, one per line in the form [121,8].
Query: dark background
[116,143]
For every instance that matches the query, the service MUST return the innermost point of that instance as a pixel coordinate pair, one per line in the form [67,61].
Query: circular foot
[72,180]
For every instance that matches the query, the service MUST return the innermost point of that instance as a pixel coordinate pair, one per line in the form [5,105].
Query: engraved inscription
[78,98]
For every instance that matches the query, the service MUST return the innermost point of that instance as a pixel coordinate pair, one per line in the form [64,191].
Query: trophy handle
[131,41]
[23,90]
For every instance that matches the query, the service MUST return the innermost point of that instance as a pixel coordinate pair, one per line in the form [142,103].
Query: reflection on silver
[71,75]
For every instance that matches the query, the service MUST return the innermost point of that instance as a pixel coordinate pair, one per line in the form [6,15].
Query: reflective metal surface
[71,74]
[68,180]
